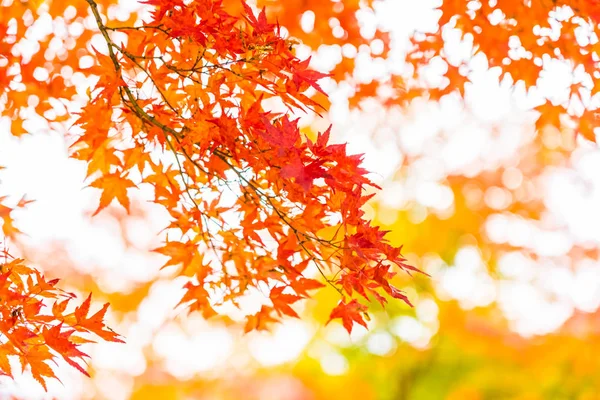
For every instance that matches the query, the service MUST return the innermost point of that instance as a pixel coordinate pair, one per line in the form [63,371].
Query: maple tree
[201,103]
[180,104]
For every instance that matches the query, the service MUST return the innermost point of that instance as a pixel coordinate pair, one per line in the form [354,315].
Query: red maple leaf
[349,313]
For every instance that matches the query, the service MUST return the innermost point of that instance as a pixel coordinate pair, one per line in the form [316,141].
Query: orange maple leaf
[114,186]
[349,313]
[95,323]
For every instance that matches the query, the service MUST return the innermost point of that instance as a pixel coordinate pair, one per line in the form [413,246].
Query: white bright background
[446,138]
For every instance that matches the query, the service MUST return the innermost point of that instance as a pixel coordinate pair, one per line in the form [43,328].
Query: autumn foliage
[201,103]
[36,325]
[180,105]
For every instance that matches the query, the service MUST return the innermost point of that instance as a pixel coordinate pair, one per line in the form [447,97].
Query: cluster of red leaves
[491,26]
[534,23]
[184,105]
[185,109]
[520,37]
[335,23]
[37,338]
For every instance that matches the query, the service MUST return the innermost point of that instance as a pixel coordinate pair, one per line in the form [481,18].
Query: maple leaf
[303,74]
[114,186]
[198,296]
[162,6]
[302,285]
[36,358]
[59,307]
[102,160]
[180,253]
[260,320]
[94,323]
[350,313]
[283,139]
[281,301]
[260,25]
[109,80]
[320,148]
[304,175]
[58,340]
